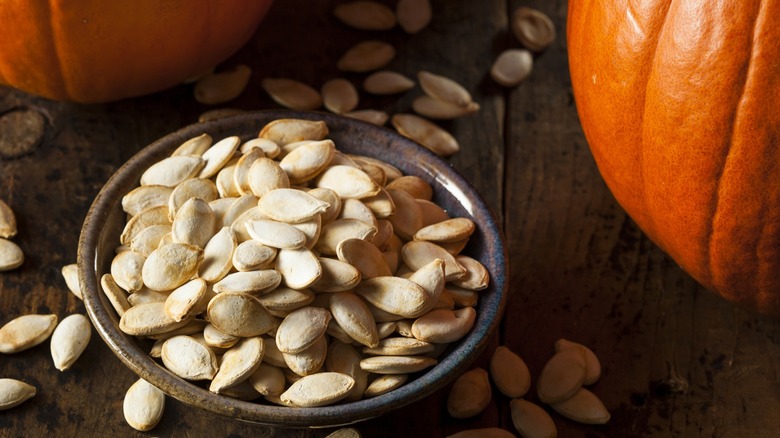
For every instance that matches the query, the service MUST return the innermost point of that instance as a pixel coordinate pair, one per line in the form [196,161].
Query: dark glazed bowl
[105,220]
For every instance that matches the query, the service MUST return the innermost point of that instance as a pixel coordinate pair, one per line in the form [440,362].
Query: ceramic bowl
[105,220]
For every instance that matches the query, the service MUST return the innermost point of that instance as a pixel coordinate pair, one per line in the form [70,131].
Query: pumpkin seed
[272,354]
[115,294]
[301,329]
[193,327]
[477,276]
[419,253]
[340,230]
[431,212]
[252,255]
[267,379]
[487,432]
[366,56]
[408,218]
[171,265]
[400,346]
[144,219]
[443,88]
[354,317]
[182,302]
[444,325]
[382,237]
[284,131]
[431,278]
[194,223]
[144,197]
[532,28]
[531,420]
[393,294]
[238,363]
[347,432]
[171,171]
[218,155]
[450,230]
[242,171]
[308,361]
[290,205]
[240,206]
[375,117]
[7,221]
[387,82]
[396,364]
[25,332]
[355,209]
[218,256]
[348,182]
[413,15]
[299,267]
[69,339]
[250,282]
[71,275]
[189,359]
[364,256]
[509,373]
[285,300]
[318,389]
[344,358]
[292,94]
[431,108]
[149,239]
[239,314]
[591,360]
[14,392]
[276,234]
[221,87]
[365,15]
[461,297]
[239,225]
[215,338]
[470,394]
[562,376]
[384,384]
[191,188]
[336,276]
[308,160]
[583,407]
[329,197]
[146,295]
[11,256]
[339,96]
[512,67]
[225,182]
[427,133]
[269,147]
[415,186]
[194,146]
[149,319]
[385,329]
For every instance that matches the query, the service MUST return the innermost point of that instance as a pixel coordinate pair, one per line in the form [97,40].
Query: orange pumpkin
[680,104]
[103,50]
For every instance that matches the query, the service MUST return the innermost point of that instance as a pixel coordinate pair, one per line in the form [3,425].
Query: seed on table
[470,394]
[14,392]
[512,67]
[365,15]
[509,372]
[443,88]
[69,340]
[592,361]
[25,332]
[143,405]
[318,389]
[531,420]
[292,94]
[426,133]
[562,376]
[387,82]
[413,15]
[431,108]
[221,87]
[339,96]
[11,256]
[375,117]
[71,275]
[532,28]
[366,56]
[7,221]
[583,407]
[384,384]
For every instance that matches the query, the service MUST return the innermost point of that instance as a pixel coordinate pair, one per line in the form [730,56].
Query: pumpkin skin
[680,104]
[102,50]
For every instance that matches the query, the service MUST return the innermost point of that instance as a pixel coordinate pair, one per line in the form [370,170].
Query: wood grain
[677,360]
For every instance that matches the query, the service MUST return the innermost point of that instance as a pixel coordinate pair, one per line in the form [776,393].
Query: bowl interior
[105,221]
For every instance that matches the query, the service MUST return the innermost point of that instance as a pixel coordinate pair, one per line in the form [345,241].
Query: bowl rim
[450,366]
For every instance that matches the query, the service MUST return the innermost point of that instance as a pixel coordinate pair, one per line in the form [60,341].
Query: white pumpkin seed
[532,28]
[146,295]
[354,317]
[126,270]
[276,234]
[299,268]
[71,275]
[318,389]
[14,392]
[267,379]
[364,256]
[284,131]
[444,325]
[225,181]
[238,363]
[393,294]
[443,88]
[470,394]
[384,384]
[191,188]
[562,376]
[11,256]
[348,182]
[25,332]
[171,171]
[224,86]
[292,94]
[344,358]
[306,362]
[290,205]
[144,219]
[308,160]
[218,256]
[251,282]
[431,278]
[400,346]
[218,155]
[149,319]
[194,146]
[239,314]
[366,56]
[509,372]
[375,117]
[591,360]
[144,197]
[413,15]
[512,67]
[69,340]
[340,230]
[301,329]
[365,15]
[251,255]
[387,82]
[339,96]
[432,108]
[269,147]
[242,171]
[477,276]
[284,300]
[171,265]
[427,133]
[408,218]
[189,359]
[182,302]
[396,364]
[583,407]
[143,405]
[336,276]
[7,221]
[419,253]
[149,239]
[431,212]
[115,294]
[531,420]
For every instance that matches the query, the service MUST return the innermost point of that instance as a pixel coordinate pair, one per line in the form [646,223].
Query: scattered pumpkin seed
[14,392]
[221,87]
[413,15]
[512,67]
[7,221]
[11,256]
[366,56]
[365,15]
[69,339]
[583,407]
[532,28]
[470,394]
[292,94]
[387,82]
[25,332]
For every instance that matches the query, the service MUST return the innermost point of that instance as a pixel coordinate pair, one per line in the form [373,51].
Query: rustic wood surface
[677,360]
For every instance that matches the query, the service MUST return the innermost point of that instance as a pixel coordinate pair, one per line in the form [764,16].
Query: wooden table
[677,360]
